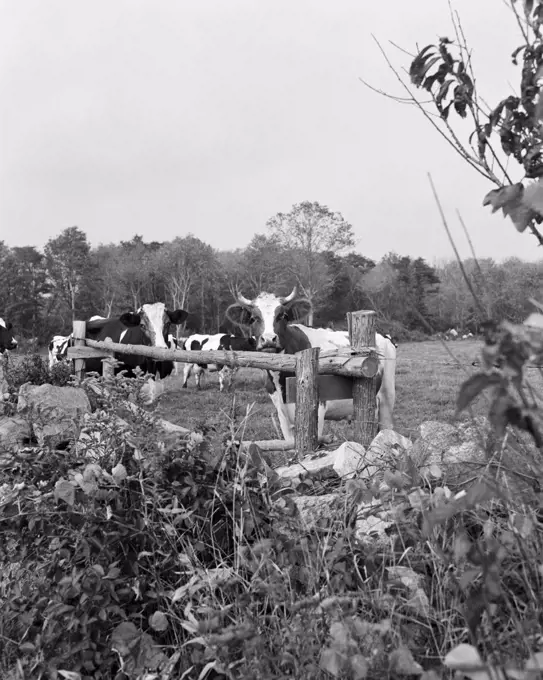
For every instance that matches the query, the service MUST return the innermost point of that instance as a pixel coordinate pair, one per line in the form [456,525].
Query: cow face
[267,316]
[7,340]
[154,321]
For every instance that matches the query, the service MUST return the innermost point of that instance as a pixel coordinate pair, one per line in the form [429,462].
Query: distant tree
[69,270]
[26,285]
[345,293]
[182,263]
[305,234]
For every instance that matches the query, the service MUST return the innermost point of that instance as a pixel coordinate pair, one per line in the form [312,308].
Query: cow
[7,339]
[149,326]
[215,342]
[270,319]
[58,347]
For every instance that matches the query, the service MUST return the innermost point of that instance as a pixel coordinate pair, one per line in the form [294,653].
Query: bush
[34,369]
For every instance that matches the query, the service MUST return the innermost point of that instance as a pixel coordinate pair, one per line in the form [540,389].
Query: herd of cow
[271,324]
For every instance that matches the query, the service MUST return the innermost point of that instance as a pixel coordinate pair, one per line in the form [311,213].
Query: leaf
[473,386]
[65,491]
[402,662]
[359,666]
[535,320]
[516,53]
[479,492]
[137,649]
[158,621]
[535,662]
[69,675]
[418,63]
[331,661]
[533,197]
[443,91]
[119,473]
[462,656]
[500,198]
[461,547]
[27,648]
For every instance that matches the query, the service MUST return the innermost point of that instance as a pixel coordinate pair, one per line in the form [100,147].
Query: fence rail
[358,362]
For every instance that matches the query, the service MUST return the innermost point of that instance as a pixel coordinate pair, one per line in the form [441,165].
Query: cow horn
[290,297]
[242,300]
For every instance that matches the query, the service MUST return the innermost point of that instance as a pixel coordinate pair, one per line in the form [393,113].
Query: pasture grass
[427,382]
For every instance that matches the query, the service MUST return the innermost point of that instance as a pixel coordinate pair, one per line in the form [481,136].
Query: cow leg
[320,418]
[386,396]
[186,373]
[225,378]
[198,370]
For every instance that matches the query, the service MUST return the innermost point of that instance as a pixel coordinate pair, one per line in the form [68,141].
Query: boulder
[457,450]
[14,433]
[55,413]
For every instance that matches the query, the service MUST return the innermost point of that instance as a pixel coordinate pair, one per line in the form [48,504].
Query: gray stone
[55,413]
[14,433]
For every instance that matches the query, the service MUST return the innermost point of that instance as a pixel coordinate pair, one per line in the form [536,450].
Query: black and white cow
[149,326]
[218,341]
[58,347]
[7,339]
[270,320]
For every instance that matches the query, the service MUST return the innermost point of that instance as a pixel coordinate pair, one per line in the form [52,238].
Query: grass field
[427,382]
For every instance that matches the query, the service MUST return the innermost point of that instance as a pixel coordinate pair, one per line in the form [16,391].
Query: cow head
[7,341]
[267,316]
[154,321]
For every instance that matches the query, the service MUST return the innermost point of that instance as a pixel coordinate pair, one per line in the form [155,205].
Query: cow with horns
[7,339]
[273,321]
[218,341]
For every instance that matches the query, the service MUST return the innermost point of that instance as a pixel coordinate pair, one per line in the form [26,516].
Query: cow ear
[299,309]
[130,319]
[238,314]
[178,316]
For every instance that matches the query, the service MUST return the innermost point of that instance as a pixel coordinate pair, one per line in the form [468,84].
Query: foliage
[33,369]
[445,72]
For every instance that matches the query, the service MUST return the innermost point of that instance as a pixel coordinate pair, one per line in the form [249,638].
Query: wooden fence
[340,374]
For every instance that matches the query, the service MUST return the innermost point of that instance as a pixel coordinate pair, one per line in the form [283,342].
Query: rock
[372,523]
[14,433]
[314,510]
[349,460]
[457,450]
[389,440]
[55,413]
[310,466]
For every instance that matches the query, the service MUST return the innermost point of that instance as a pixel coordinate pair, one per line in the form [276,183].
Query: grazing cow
[7,340]
[58,347]
[269,319]
[149,326]
[215,342]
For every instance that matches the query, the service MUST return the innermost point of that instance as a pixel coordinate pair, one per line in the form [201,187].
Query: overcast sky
[174,116]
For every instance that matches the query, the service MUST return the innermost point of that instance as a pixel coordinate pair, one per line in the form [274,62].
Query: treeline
[42,292]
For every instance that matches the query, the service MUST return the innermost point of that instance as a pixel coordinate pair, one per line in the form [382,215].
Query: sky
[184,116]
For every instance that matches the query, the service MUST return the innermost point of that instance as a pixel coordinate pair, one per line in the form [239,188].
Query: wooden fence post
[79,331]
[362,334]
[307,401]
[108,364]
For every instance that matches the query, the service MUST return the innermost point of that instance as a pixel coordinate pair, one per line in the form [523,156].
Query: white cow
[270,320]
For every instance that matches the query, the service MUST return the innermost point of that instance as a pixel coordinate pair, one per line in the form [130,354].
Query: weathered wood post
[307,401]
[108,364]
[79,331]
[362,334]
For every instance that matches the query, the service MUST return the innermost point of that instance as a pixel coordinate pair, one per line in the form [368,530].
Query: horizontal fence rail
[359,363]
[344,361]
